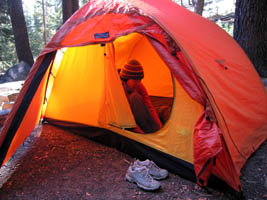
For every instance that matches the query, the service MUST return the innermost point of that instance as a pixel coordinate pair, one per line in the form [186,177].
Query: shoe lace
[153,165]
[146,175]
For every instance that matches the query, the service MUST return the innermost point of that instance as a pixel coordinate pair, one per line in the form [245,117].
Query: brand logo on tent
[101,35]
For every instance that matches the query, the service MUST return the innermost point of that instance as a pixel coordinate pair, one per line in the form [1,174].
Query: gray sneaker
[156,172]
[141,177]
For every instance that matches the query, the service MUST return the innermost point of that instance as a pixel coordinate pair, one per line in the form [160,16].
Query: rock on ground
[17,72]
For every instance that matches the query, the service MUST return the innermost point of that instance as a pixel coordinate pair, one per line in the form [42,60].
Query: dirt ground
[58,164]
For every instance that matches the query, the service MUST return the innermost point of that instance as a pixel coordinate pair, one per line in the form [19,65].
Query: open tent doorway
[97,98]
[98,85]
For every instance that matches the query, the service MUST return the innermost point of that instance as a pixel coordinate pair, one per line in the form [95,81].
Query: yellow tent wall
[86,88]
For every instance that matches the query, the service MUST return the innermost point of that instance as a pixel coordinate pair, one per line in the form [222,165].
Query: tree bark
[250,31]
[20,31]
[44,21]
[68,8]
[198,6]
[75,5]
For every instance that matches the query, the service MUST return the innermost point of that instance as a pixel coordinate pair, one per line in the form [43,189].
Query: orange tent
[219,111]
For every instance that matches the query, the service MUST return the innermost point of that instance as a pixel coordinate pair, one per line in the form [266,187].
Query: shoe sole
[131,180]
[159,178]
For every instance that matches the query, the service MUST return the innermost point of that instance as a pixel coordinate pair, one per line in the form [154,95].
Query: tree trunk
[250,31]
[20,31]
[68,8]
[44,21]
[198,6]
[75,5]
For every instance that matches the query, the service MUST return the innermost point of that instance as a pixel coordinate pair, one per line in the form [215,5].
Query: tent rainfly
[218,109]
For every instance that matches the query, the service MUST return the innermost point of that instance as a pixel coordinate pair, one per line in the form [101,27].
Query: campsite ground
[57,164]
[61,165]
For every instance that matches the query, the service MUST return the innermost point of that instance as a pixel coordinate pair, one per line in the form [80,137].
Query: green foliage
[35,28]
[82,2]
[7,48]
[227,26]
[53,18]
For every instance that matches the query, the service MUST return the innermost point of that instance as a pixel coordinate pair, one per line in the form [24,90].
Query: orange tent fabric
[212,72]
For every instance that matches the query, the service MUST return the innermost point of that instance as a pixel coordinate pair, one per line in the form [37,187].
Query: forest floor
[57,164]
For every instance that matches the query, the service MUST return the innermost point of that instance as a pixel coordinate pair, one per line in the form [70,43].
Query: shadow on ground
[60,165]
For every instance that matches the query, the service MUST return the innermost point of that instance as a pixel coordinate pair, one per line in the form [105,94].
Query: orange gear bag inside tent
[216,101]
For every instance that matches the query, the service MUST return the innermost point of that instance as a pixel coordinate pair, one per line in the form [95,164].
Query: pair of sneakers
[145,174]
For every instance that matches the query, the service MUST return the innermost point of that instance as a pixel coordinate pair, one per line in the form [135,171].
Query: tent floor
[62,165]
